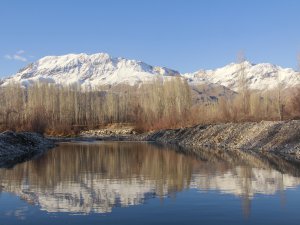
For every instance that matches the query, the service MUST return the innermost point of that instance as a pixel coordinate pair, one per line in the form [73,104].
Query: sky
[186,35]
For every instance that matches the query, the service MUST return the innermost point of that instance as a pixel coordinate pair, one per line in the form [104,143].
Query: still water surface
[143,183]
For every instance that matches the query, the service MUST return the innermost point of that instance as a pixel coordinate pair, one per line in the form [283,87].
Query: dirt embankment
[279,137]
[16,147]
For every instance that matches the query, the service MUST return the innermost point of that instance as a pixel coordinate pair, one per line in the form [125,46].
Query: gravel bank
[268,136]
[16,147]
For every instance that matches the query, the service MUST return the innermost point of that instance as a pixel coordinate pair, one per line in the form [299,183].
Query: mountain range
[102,69]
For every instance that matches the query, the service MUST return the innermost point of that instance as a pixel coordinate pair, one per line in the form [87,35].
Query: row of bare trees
[160,104]
[56,109]
[260,106]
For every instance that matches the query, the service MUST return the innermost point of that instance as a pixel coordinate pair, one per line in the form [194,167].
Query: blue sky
[185,35]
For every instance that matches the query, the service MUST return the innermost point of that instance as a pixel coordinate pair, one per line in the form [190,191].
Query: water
[142,183]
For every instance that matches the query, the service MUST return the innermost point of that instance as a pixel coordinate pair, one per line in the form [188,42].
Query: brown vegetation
[68,110]
[293,105]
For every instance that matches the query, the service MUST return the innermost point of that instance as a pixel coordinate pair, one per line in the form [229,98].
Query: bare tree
[243,85]
[299,62]
[280,105]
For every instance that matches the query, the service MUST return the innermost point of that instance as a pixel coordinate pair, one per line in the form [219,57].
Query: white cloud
[20,52]
[19,56]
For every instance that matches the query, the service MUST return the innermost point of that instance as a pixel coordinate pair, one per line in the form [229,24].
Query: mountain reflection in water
[96,177]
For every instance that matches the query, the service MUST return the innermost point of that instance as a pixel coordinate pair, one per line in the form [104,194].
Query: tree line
[155,105]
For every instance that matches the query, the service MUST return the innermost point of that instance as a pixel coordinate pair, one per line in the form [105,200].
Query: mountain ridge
[261,76]
[102,69]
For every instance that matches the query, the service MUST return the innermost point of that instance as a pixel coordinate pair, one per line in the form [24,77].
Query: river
[145,183]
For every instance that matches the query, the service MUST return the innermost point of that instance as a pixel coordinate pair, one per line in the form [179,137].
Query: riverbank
[17,147]
[266,136]
[280,137]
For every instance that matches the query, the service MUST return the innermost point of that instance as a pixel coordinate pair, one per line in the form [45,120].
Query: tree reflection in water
[95,177]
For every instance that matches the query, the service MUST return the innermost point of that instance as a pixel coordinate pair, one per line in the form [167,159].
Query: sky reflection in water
[128,183]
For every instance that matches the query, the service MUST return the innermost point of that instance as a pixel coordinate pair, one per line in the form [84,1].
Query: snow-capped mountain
[90,70]
[102,69]
[264,76]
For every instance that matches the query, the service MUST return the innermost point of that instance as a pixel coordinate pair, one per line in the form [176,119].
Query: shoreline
[277,137]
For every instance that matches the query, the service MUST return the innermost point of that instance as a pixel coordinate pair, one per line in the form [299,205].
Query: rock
[109,132]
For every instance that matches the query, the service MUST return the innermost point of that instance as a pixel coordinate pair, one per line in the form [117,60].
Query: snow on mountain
[262,76]
[89,70]
[101,69]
